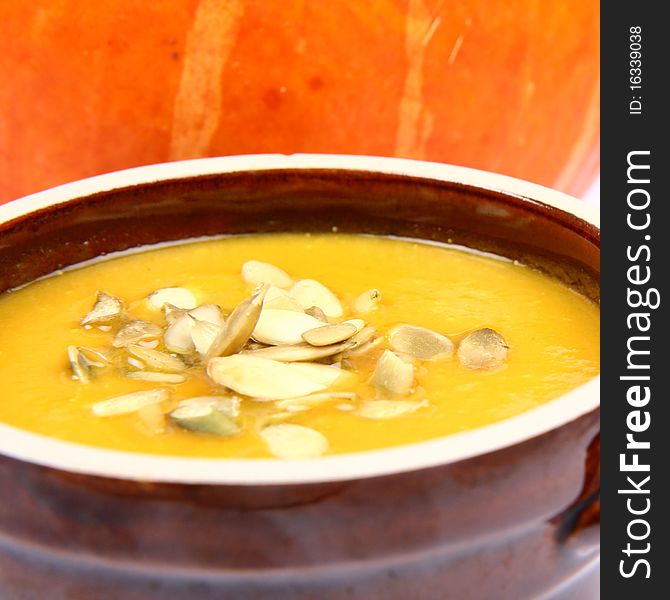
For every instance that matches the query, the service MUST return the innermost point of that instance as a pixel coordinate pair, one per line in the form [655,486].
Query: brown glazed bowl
[504,512]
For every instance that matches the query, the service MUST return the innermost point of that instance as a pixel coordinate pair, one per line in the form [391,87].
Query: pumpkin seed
[393,374]
[388,409]
[204,419]
[156,376]
[482,349]
[181,334]
[359,324]
[325,375]
[256,272]
[225,404]
[367,301]
[134,332]
[289,441]
[211,313]
[81,364]
[203,334]
[278,327]
[172,313]
[138,364]
[239,326]
[295,408]
[408,358]
[93,357]
[298,352]
[361,339]
[363,359]
[280,299]
[251,345]
[266,379]
[317,313]
[329,334]
[106,309]
[177,296]
[309,292]
[129,403]
[419,342]
[148,343]
[177,337]
[155,359]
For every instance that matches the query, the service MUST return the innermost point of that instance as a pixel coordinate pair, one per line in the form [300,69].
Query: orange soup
[288,345]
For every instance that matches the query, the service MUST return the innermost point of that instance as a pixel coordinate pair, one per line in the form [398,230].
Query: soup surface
[549,333]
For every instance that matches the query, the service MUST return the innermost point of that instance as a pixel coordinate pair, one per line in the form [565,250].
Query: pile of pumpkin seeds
[291,344]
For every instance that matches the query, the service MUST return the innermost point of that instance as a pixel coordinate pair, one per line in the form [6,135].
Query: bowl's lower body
[501,574]
[516,524]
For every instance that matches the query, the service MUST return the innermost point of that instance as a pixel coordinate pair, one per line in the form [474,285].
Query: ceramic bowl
[507,511]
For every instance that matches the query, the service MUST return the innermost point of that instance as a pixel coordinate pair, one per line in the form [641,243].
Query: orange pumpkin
[90,87]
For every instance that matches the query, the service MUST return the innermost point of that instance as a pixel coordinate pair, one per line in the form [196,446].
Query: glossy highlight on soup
[350,343]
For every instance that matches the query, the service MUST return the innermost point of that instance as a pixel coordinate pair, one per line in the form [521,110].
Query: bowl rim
[79,458]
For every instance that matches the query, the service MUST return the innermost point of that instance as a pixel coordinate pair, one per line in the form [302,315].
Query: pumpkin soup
[288,345]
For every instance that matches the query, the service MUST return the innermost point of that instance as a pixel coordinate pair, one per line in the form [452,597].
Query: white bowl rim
[78,458]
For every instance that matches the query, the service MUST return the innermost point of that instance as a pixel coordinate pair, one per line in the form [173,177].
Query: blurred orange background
[91,87]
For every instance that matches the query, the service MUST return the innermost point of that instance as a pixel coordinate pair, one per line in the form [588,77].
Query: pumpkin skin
[91,87]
